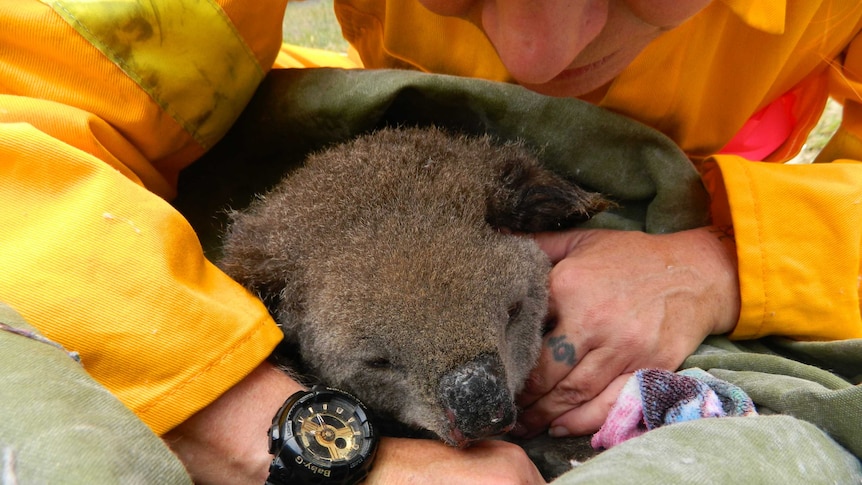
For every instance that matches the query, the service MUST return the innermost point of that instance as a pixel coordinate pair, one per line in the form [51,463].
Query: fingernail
[558,432]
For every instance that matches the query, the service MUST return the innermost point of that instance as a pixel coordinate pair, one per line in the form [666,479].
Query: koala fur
[394,267]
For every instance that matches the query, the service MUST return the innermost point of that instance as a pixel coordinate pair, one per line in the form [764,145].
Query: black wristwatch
[321,436]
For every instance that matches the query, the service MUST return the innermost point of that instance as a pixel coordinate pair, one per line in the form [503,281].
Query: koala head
[441,342]
[394,266]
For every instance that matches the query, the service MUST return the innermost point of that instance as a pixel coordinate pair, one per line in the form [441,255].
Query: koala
[397,268]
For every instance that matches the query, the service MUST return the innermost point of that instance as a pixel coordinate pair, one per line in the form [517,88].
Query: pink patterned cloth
[652,398]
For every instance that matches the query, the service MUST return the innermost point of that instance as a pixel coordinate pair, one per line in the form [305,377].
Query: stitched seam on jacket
[758,217]
[186,382]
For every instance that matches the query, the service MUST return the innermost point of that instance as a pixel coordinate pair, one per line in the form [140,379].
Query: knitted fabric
[652,398]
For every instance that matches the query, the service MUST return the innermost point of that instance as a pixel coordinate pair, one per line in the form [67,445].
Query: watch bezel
[293,462]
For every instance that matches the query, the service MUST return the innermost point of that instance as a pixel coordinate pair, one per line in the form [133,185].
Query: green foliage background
[312,23]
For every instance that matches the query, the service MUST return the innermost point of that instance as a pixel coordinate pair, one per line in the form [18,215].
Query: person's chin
[582,80]
[565,88]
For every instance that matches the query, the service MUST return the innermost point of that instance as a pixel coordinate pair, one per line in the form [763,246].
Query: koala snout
[477,401]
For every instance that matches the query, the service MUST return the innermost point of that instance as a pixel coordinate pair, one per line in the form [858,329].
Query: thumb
[557,245]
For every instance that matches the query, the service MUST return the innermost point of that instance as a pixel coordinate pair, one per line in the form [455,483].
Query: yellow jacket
[798,228]
[101,105]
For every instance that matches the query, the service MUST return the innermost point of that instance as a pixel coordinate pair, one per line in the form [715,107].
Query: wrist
[226,442]
[720,255]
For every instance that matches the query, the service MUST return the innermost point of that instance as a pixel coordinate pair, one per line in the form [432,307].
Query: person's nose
[537,40]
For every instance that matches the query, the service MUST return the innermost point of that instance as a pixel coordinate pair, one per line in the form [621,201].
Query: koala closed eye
[380,363]
[514,310]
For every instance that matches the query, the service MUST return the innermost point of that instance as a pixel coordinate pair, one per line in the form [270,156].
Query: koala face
[439,343]
[391,263]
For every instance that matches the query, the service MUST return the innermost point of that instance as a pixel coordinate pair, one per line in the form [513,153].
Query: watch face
[330,431]
[321,436]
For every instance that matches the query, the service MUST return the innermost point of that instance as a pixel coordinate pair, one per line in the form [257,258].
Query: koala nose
[477,400]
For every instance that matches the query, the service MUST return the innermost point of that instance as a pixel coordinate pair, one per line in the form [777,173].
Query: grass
[818,137]
[312,23]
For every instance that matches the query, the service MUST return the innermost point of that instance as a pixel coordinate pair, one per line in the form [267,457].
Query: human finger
[560,354]
[565,341]
[558,245]
[591,376]
[589,417]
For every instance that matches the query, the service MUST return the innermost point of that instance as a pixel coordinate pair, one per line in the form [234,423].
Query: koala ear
[256,276]
[251,256]
[530,198]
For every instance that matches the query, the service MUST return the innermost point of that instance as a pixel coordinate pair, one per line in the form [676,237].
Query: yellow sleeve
[93,132]
[799,238]
[799,230]
[103,266]
[295,56]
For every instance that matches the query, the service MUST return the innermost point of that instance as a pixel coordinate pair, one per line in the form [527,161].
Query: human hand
[622,301]
[430,462]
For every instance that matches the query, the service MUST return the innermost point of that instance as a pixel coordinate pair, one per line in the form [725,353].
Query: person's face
[569,47]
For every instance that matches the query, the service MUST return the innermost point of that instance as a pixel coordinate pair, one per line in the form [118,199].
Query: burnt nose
[477,398]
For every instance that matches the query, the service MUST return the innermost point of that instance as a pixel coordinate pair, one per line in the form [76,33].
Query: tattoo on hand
[562,351]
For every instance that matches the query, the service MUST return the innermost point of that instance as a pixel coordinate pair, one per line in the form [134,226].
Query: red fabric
[765,131]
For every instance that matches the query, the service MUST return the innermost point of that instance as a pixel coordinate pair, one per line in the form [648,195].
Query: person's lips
[585,69]
[580,80]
